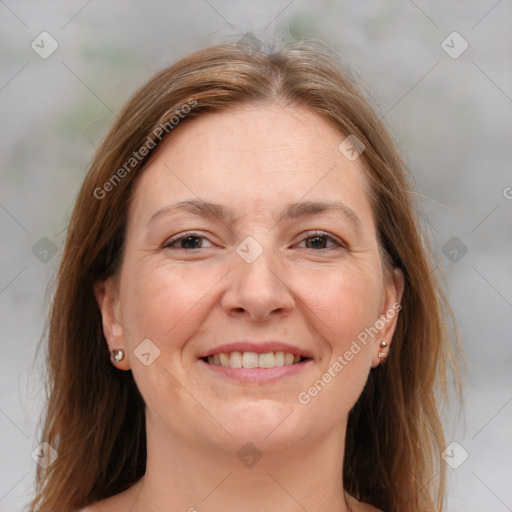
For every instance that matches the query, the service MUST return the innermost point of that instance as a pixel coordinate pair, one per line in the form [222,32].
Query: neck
[183,476]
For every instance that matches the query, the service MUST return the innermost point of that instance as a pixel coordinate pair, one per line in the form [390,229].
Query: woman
[242,260]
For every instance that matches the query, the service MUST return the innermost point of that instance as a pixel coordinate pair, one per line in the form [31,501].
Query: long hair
[95,414]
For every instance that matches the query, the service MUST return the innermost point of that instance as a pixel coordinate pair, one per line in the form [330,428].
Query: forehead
[253,157]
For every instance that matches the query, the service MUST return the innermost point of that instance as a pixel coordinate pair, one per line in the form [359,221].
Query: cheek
[345,304]
[161,303]
[345,301]
[166,305]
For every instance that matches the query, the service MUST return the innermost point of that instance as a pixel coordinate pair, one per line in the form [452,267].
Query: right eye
[188,240]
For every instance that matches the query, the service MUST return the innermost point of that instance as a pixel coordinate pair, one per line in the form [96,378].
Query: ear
[388,318]
[107,297]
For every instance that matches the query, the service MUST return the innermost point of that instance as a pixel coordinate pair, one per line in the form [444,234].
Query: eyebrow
[292,211]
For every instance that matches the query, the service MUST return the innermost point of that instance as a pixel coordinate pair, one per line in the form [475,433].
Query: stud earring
[117,355]
[382,355]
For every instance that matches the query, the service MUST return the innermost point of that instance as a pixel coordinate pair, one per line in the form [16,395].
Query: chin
[268,424]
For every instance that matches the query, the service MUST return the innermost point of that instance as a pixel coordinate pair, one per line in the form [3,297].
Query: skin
[255,159]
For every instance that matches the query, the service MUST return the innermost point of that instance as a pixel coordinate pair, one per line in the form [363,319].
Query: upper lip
[260,347]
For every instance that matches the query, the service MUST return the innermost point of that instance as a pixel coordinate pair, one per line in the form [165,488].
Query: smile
[254,360]
[251,367]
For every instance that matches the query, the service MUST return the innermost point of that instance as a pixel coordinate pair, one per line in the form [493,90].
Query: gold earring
[382,355]
[117,355]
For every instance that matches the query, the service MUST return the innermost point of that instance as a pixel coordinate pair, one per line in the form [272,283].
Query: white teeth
[288,359]
[235,361]
[266,360]
[224,359]
[254,360]
[250,360]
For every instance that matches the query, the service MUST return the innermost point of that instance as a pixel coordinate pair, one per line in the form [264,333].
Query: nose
[258,290]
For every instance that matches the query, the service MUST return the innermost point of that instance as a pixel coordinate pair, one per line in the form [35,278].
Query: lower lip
[256,374]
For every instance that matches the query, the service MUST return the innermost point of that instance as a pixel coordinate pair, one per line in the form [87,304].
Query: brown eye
[186,241]
[320,241]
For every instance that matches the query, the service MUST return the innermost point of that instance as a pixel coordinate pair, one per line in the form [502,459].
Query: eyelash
[308,235]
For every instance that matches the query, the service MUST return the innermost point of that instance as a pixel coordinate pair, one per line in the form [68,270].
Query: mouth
[267,360]
[252,368]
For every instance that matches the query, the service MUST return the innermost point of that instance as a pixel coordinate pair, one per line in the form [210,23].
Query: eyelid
[332,238]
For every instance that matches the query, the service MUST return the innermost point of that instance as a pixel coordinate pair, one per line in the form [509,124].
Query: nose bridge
[258,262]
[257,284]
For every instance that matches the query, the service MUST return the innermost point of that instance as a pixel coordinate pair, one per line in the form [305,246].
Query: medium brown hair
[95,414]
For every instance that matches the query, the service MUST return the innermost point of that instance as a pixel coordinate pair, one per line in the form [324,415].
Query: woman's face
[256,262]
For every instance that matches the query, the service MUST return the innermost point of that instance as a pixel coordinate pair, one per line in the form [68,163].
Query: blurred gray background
[442,75]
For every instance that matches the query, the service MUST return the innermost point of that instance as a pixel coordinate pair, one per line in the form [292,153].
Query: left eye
[319,240]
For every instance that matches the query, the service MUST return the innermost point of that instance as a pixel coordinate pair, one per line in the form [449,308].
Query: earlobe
[380,352]
[389,317]
[107,299]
